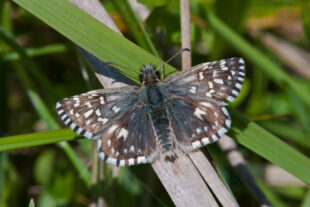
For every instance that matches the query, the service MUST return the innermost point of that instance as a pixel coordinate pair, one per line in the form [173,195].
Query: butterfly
[134,125]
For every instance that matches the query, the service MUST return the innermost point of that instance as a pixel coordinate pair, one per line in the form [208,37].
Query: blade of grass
[36,139]
[289,133]
[114,48]
[257,58]
[89,33]
[33,52]
[260,141]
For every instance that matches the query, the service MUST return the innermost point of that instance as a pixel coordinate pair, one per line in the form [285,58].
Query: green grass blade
[33,52]
[106,44]
[36,139]
[289,133]
[260,141]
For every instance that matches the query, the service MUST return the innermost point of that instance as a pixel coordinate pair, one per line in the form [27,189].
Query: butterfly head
[149,74]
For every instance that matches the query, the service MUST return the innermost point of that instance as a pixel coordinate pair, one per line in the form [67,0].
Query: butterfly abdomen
[159,117]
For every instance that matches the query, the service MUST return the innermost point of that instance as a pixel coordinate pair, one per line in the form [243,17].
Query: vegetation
[44,165]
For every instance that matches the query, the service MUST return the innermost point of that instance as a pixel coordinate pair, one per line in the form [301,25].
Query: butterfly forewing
[130,139]
[117,119]
[214,81]
[89,114]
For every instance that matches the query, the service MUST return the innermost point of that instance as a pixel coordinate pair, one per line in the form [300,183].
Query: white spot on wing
[198,112]
[123,133]
[131,161]
[112,128]
[228,123]
[88,104]
[98,144]
[196,144]
[219,81]
[193,89]
[111,160]
[214,137]
[225,111]
[201,77]
[101,155]
[240,79]
[98,113]
[122,163]
[88,135]
[132,148]
[216,114]
[222,131]
[103,120]
[209,94]
[101,100]
[79,131]
[231,99]
[235,92]
[141,159]
[88,113]
[206,104]
[63,116]
[205,141]
[116,109]
[210,84]
[66,122]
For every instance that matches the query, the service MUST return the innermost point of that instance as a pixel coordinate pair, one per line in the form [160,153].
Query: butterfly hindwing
[197,123]
[129,140]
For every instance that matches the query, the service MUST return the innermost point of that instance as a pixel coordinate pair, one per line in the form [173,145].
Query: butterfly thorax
[149,74]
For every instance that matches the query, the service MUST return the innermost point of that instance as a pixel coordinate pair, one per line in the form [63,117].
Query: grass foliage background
[40,65]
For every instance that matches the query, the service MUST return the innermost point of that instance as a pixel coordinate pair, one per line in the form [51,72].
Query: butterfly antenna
[167,61]
[121,66]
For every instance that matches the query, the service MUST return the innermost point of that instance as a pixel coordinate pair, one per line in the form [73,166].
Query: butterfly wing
[117,118]
[214,81]
[196,101]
